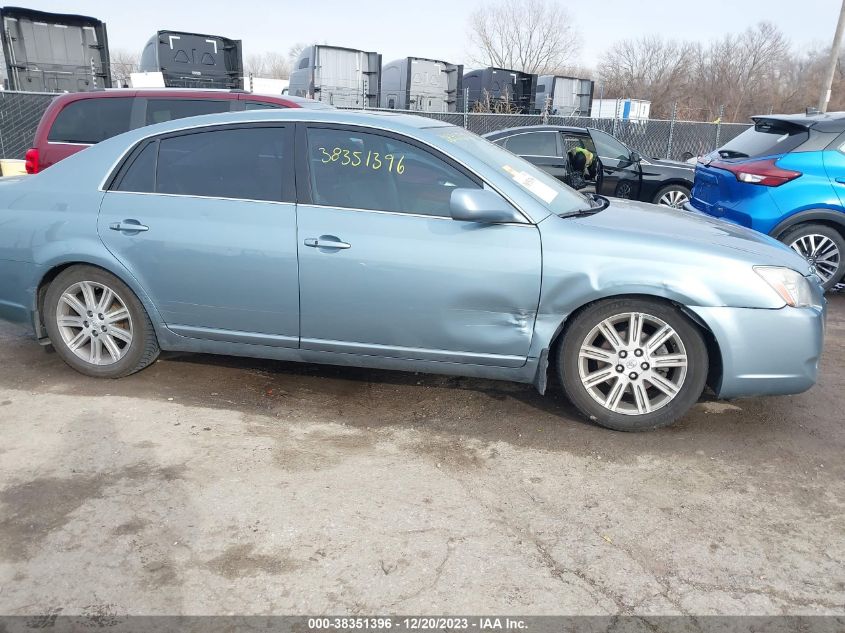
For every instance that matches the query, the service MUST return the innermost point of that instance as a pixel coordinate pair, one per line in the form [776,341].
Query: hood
[658,228]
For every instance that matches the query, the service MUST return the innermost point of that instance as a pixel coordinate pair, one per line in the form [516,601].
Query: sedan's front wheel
[632,364]
[97,324]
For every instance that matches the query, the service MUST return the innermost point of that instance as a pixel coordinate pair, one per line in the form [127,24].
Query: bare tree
[269,65]
[123,64]
[535,36]
[735,76]
[647,68]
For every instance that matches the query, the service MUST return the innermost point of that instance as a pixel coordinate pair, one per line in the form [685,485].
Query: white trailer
[415,83]
[624,109]
[564,96]
[343,77]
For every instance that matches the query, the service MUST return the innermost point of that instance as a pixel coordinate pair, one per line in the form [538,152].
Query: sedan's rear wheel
[633,364]
[822,247]
[675,196]
[97,324]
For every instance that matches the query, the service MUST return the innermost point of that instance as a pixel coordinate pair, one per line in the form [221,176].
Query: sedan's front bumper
[766,352]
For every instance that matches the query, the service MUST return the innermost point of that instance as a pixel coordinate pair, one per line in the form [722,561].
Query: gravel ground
[209,485]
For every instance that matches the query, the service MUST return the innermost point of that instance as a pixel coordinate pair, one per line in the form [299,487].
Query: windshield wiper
[597,203]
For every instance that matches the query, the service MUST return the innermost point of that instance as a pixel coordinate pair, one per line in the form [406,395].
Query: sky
[437,28]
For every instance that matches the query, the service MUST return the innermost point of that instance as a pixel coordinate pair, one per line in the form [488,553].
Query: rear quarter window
[91,120]
[765,139]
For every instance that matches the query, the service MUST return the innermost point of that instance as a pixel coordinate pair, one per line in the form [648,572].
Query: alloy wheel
[94,323]
[674,198]
[632,363]
[819,251]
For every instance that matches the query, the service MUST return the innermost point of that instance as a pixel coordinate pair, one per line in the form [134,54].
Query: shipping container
[501,85]
[564,96]
[342,77]
[624,109]
[54,52]
[424,85]
[194,60]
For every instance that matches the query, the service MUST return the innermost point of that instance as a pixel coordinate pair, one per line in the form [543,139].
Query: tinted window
[571,141]
[140,174]
[260,105]
[242,163]
[91,120]
[764,139]
[609,147]
[160,110]
[545,189]
[532,144]
[303,64]
[367,171]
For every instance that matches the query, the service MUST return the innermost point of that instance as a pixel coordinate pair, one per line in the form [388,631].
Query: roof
[383,120]
[535,128]
[821,121]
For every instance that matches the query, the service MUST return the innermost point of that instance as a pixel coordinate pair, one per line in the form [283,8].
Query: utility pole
[831,64]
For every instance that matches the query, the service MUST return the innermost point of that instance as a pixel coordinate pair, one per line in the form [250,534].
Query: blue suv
[784,177]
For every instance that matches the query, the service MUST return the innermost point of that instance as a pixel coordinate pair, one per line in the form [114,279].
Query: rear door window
[766,138]
[91,120]
[243,163]
[533,144]
[160,110]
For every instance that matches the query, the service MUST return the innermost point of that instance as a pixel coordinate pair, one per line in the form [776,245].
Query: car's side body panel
[211,263]
[495,303]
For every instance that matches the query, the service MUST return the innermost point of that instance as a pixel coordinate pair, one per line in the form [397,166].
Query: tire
[829,255]
[123,335]
[655,408]
[672,196]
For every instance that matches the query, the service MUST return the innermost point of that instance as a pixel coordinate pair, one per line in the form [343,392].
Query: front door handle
[132,226]
[326,242]
[841,180]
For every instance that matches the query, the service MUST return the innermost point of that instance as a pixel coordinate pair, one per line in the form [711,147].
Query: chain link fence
[677,140]
[20,113]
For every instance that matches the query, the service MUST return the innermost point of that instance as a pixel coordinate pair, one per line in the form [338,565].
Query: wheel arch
[827,217]
[714,352]
[55,268]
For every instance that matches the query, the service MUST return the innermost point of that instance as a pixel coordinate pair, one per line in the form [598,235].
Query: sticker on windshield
[539,189]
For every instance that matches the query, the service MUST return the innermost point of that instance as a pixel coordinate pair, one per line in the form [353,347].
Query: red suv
[73,121]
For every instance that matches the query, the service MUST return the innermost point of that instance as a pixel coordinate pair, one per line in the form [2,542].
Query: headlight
[790,285]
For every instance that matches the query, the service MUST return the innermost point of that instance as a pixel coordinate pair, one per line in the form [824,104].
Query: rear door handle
[841,180]
[128,225]
[324,242]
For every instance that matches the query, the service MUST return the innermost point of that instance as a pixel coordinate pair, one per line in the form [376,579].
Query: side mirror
[636,157]
[482,205]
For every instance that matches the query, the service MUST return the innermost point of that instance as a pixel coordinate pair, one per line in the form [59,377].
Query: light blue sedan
[391,241]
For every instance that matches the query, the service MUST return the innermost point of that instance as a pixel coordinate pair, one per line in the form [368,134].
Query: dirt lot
[209,485]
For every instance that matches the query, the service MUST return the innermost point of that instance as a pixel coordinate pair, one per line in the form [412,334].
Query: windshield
[559,198]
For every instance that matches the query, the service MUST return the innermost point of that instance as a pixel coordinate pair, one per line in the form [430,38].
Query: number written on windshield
[357,158]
